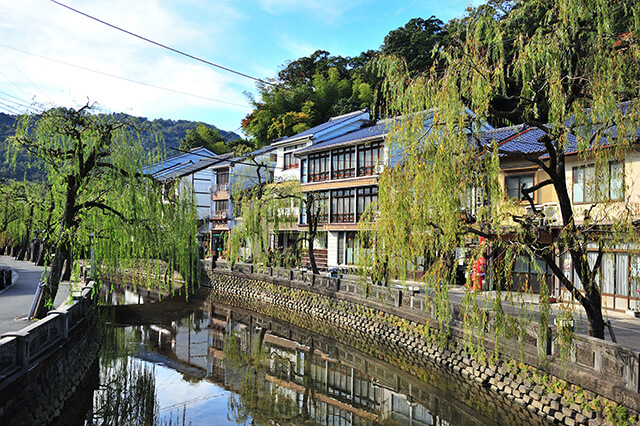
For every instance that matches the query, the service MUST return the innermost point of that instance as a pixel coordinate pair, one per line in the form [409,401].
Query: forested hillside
[172,131]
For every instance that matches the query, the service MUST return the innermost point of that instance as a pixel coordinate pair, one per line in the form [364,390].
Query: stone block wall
[43,365]
[392,324]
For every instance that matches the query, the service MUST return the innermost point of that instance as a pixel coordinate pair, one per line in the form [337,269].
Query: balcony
[219,214]
[342,218]
[218,187]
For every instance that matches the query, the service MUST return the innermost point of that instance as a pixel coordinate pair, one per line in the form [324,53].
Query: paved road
[15,302]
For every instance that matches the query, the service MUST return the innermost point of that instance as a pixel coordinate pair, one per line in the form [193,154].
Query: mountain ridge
[173,131]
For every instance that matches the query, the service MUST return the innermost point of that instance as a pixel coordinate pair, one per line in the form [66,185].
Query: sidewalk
[626,328]
[15,301]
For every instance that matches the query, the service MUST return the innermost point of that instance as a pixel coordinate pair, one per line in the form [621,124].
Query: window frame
[343,205]
[343,163]
[290,160]
[590,194]
[319,166]
[519,177]
[364,198]
[365,162]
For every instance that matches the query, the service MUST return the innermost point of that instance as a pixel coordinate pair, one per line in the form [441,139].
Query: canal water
[198,362]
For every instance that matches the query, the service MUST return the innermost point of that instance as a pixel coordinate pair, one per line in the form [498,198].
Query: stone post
[22,347]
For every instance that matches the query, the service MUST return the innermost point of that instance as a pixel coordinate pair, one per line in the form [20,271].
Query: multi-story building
[342,173]
[288,167]
[186,172]
[599,193]
[230,178]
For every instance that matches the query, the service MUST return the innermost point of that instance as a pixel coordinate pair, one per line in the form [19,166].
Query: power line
[179,52]
[188,55]
[19,102]
[122,78]
[9,108]
[28,79]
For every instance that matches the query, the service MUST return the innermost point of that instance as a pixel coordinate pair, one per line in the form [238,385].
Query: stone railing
[45,366]
[19,350]
[605,368]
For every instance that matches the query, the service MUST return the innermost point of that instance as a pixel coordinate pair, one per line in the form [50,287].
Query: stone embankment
[596,384]
[42,365]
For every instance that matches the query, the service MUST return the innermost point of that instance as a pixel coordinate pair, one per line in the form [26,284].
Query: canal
[199,362]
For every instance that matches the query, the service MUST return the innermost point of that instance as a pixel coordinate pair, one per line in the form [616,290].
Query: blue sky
[50,55]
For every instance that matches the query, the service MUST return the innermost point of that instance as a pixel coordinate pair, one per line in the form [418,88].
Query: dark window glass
[368,157]
[343,163]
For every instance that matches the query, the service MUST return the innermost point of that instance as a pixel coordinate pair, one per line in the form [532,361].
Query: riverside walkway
[16,300]
[15,303]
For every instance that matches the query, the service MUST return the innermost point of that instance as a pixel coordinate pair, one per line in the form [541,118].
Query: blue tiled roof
[185,158]
[379,129]
[334,121]
[527,140]
[255,153]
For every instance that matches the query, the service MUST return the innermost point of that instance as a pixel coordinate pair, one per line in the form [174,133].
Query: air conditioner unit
[379,168]
[225,215]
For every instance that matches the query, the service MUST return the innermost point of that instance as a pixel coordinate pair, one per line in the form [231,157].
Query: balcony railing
[220,214]
[217,187]
[342,218]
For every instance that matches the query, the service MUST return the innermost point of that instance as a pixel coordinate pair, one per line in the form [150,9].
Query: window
[222,180]
[290,160]
[346,247]
[321,201]
[303,171]
[220,209]
[368,157]
[319,167]
[342,206]
[344,163]
[515,184]
[366,196]
[591,185]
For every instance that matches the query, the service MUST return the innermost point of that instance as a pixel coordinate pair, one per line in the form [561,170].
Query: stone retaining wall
[393,321]
[42,365]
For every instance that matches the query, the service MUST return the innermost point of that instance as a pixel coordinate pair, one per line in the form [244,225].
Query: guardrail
[19,350]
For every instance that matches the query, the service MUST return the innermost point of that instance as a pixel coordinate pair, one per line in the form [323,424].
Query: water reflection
[206,363]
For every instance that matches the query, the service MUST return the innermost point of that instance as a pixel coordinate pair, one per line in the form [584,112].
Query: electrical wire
[28,79]
[123,78]
[179,52]
[164,46]
[8,108]
[19,107]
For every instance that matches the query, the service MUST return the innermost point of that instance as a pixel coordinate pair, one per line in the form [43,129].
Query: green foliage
[307,92]
[265,208]
[98,196]
[203,136]
[24,166]
[559,69]
[414,42]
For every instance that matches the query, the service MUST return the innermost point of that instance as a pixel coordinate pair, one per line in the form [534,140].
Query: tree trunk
[593,308]
[68,266]
[52,283]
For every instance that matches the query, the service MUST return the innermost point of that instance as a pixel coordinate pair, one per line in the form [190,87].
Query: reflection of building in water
[345,395]
[343,386]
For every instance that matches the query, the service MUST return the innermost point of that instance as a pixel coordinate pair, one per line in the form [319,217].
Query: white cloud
[52,31]
[324,10]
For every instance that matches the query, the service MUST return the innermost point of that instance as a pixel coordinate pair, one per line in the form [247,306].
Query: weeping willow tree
[99,198]
[267,208]
[569,72]
[23,207]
